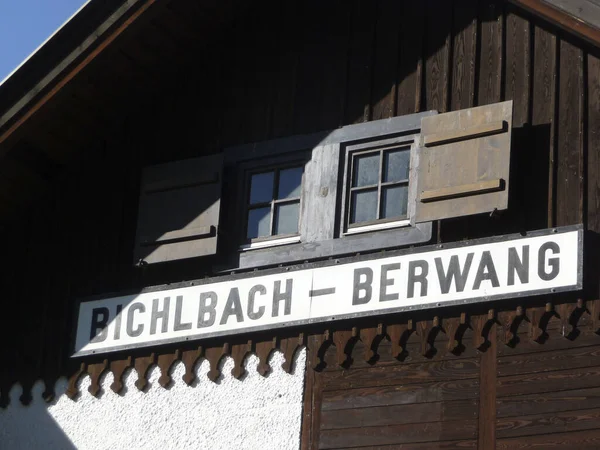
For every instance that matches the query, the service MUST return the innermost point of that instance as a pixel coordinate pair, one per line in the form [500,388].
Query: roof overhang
[55,63]
[580,17]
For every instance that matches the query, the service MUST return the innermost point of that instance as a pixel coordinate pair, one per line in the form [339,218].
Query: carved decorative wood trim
[398,335]
[289,347]
[371,338]
[344,341]
[214,356]
[239,353]
[165,362]
[190,358]
[96,371]
[118,368]
[142,367]
[73,389]
[537,323]
[263,350]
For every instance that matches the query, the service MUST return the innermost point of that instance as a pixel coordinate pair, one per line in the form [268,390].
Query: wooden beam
[562,19]
[8,133]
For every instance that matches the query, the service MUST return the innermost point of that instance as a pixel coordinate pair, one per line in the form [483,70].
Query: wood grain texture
[489,80]
[360,62]
[464,55]
[569,176]
[544,97]
[284,88]
[399,434]
[593,143]
[309,431]
[437,63]
[580,440]
[487,393]
[387,33]
[553,402]
[579,17]
[540,424]
[543,361]
[548,382]
[450,369]
[400,394]
[410,68]
[382,416]
[333,48]
[446,445]
[518,65]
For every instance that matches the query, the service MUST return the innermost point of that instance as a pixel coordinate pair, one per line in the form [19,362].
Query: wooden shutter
[463,162]
[179,210]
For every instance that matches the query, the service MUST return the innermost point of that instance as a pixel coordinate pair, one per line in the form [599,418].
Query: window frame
[323,198]
[374,144]
[379,146]
[271,239]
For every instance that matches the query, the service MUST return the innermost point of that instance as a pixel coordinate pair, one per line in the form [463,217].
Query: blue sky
[25,24]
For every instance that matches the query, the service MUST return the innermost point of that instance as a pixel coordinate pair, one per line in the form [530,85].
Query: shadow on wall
[32,426]
[255,412]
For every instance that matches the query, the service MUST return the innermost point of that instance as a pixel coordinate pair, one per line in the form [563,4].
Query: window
[378,187]
[273,206]
[362,187]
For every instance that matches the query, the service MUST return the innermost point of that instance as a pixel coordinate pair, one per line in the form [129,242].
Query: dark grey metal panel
[462,164]
[179,210]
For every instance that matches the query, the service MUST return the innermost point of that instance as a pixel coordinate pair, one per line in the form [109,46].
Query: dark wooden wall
[507,378]
[296,67]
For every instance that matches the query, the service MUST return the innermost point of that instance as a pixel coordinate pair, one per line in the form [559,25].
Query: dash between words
[389,281]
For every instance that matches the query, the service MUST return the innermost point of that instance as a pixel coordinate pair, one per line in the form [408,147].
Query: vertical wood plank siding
[304,66]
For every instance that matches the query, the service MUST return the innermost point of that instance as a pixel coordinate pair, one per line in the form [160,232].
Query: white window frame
[381,224]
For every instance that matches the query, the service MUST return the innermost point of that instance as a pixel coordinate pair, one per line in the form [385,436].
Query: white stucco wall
[253,413]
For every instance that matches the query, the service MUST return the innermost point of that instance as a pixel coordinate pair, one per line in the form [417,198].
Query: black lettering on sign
[554,263]
[421,278]
[118,320]
[99,321]
[360,286]
[178,326]
[486,271]
[518,265]
[130,316]
[278,296]
[384,282]
[162,314]
[260,289]
[454,272]
[233,307]
[209,309]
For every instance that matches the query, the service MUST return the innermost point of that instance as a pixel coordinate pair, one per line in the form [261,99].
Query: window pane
[290,181]
[261,187]
[395,165]
[364,206]
[286,218]
[259,221]
[366,170]
[394,201]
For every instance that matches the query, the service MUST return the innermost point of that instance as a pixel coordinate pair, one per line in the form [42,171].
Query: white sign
[549,261]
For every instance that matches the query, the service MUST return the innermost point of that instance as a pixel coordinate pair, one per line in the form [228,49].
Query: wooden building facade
[145,82]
